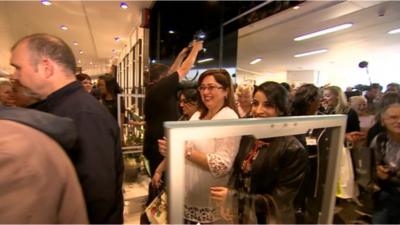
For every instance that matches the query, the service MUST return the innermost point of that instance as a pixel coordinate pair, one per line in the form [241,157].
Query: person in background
[38,182]
[161,104]
[336,103]
[387,99]
[373,95]
[188,102]
[267,172]
[395,87]
[45,64]
[386,148]
[24,97]
[86,81]
[6,93]
[208,161]
[109,90]
[244,93]
[359,104]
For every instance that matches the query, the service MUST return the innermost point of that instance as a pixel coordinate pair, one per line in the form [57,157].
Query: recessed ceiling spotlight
[80,52]
[254,61]
[46,2]
[171,32]
[117,39]
[63,27]
[79,61]
[296,7]
[324,31]
[153,61]
[123,5]
[395,31]
[91,63]
[205,60]
[310,53]
[75,43]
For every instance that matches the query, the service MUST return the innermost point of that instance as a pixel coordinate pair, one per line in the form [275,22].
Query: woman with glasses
[267,173]
[208,162]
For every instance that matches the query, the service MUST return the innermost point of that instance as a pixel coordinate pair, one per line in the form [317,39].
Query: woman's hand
[382,172]
[156,180]
[355,136]
[162,146]
[218,194]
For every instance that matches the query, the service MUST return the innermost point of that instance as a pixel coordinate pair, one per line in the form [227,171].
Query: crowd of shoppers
[248,180]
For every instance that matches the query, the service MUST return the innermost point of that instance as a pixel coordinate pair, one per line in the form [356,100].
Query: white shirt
[221,153]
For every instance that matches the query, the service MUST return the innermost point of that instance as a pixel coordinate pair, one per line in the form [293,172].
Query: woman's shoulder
[226,113]
[195,116]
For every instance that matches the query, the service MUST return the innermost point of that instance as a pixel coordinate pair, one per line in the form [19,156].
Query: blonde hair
[245,88]
[342,106]
[357,100]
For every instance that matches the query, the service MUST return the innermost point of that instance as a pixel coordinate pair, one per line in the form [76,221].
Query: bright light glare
[323,32]
[45,2]
[395,31]
[257,60]
[311,53]
[205,60]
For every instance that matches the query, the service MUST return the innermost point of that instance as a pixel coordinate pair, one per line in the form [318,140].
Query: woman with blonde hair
[244,93]
[336,103]
[359,104]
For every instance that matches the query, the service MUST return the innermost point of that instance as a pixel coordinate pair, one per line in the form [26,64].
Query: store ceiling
[92,24]
[272,38]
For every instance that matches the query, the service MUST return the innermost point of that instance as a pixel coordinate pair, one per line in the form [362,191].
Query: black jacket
[62,130]
[97,155]
[278,171]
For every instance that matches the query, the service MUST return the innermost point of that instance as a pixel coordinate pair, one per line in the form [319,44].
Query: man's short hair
[155,72]
[55,48]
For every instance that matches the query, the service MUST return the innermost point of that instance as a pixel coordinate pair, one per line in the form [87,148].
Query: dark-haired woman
[109,90]
[267,172]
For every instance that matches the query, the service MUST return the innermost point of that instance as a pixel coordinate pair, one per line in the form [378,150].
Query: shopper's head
[155,72]
[6,93]
[270,100]
[216,91]
[43,63]
[359,104]
[86,81]
[334,98]
[306,100]
[244,94]
[108,86]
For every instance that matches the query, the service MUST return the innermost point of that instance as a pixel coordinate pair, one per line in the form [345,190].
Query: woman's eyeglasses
[209,88]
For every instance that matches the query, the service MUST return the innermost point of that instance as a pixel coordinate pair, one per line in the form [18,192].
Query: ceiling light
[395,31]
[117,39]
[91,63]
[257,60]
[79,61]
[171,32]
[205,60]
[80,52]
[45,2]
[311,53]
[296,7]
[75,43]
[63,27]
[153,61]
[123,5]
[323,32]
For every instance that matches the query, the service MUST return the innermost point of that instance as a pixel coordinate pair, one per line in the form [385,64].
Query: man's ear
[47,67]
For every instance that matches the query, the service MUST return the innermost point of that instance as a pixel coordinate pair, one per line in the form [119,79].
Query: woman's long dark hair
[277,96]
[111,85]
[224,79]
[304,96]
